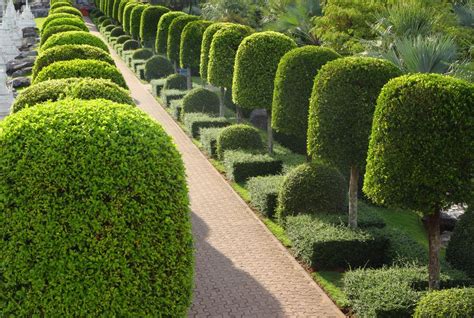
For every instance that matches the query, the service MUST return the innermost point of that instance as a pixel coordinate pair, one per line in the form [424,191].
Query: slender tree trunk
[238,114]
[353,188]
[189,78]
[221,103]
[434,247]
[175,65]
[269,132]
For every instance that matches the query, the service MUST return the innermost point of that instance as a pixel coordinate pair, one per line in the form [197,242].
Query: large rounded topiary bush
[122,39]
[41,92]
[174,36]
[149,23]
[190,46]
[127,13]
[239,137]
[74,37]
[201,100]
[456,302]
[70,10]
[66,21]
[175,81]
[53,17]
[57,29]
[121,9]
[312,188]
[95,218]
[162,31]
[158,67]
[116,32]
[460,250]
[96,88]
[131,45]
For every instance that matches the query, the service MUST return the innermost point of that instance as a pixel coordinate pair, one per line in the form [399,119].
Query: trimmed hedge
[70,10]
[130,45]
[148,24]
[116,32]
[108,29]
[57,29]
[175,81]
[239,137]
[312,188]
[457,302]
[174,36]
[206,46]
[127,12]
[194,122]
[142,54]
[460,250]
[256,64]
[122,39]
[201,100]
[105,23]
[169,95]
[224,45]
[81,68]
[161,41]
[158,67]
[208,138]
[54,16]
[241,166]
[59,5]
[190,45]
[293,86]
[175,106]
[263,193]
[52,90]
[97,88]
[120,10]
[102,190]
[135,19]
[76,38]
[66,21]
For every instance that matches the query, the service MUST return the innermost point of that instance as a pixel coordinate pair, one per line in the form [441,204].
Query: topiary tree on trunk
[121,8]
[148,23]
[162,28]
[206,47]
[420,152]
[127,12]
[135,20]
[340,116]
[174,36]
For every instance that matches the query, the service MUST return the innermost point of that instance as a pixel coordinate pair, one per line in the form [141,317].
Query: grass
[331,282]
[39,22]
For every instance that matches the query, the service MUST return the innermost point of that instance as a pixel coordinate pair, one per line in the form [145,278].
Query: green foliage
[97,88]
[122,39]
[175,81]
[66,21]
[293,86]
[108,29]
[174,35]
[190,45]
[460,251]
[116,32]
[55,16]
[41,92]
[169,95]
[256,64]
[312,188]
[341,109]
[59,5]
[176,106]
[241,166]
[161,42]
[264,193]
[80,68]
[70,10]
[102,190]
[457,302]
[135,20]
[194,122]
[127,13]
[201,100]
[57,29]
[130,45]
[102,19]
[74,38]
[207,37]
[208,138]
[158,67]
[148,24]
[115,9]
[239,137]
[121,10]
[105,23]
[429,110]
[224,45]
[142,54]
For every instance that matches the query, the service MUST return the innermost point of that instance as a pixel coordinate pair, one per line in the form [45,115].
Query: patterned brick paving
[241,269]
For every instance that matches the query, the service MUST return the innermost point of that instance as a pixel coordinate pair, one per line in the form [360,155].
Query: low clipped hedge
[460,250]
[175,81]
[97,88]
[239,137]
[57,29]
[66,21]
[263,193]
[206,46]
[81,68]
[116,32]
[149,23]
[241,166]
[142,54]
[158,67]
[130,45]
[190,45]
[312,188]
[201,100]
[169,95]
[456,302]
[54,16]
[135,18]
[70,10]
[194,122]
[74,37]
[174,36]
[208,138]
[162,31]
[176,106]
[95,173]
[157,86]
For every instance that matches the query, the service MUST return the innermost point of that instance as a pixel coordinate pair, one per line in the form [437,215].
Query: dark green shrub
[69,52]
[135,18]
[206,46]
[81,68]
[312,188]
[241,166]
[59,5]
[107,190]
[131,45]
[67,21]
[157,85]
[74,38]
[176,106]
[149,23]
[255,68]
[208,138]
[323,245]
[142,54]
[55,16]
[162,31]
[102,19]
[158,67]
[169,95]
[175,81]
[239,137]
[224,45]
[105,23]
[457,302]
[263,193]
[97,88]
[460,251]
[174,35]
[70,10]
[201,100]
[293,85]
[127,12]
[194,122]
[116,32]
[121,9]
[52,90]
[52,2]
[115,9]
[57,29]
[122,39]
[108,28]
[190,46]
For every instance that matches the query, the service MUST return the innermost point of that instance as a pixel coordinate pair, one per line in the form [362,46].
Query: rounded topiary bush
[81,68]
[131,45]
[190,47]
[59,5]
[206,46]
[116,32]
[312,188]
[122,39]
[135,18]
[70,10]
[108,28]
[149,23]
[175,81]
[460,250]
[201,100]
[99,202]
[66,21]
[456,302]
[102,19]
[162,31]
[142,54]
[97,88]
[105,23]
[74,37]
[174,35]
[55,16]
[158,67]
[127,13]
[239,137]
[57,29]
[52,90]
[121,9]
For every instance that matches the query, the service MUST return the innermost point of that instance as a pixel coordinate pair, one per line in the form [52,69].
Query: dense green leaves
[148,24]
[460,251]
[74,37]
[135,20]
[127,13]
[190,46]
[161,42]
[206,46]
[201,100]
[457,302]
[57,29]
[158,67]
[239,137]
[174,35]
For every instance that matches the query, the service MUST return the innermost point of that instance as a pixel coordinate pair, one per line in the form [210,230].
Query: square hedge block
[241,166]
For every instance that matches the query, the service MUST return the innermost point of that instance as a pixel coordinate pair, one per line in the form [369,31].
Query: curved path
[241,269]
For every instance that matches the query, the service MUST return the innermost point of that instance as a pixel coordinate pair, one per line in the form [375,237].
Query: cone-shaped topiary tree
[340,116]
[135,20]
[162,29]
[256,64]
[149,21]
[420,152]
[174,36]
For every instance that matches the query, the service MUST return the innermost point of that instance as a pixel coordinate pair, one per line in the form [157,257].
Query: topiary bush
[75,38]
[194,122]
[263,192]
[312,188]
[208,136]
[135,18]
[127,12]
[148,24]
[102,19]
[59,5]
[206,46]
[161,41]
[67,21]
[108,28]
[121,9]
[293,86]
[116,32]
[57,29]
[174,36]
[190,46]
[122,39]
[201,100]
[107,190]
[54,16]
[81,68]
[460,250]
[142,54]
[158,67]
[241,166]
[239,137]
[105,23]
[175,81]
[130,45]
[70,10]
[98,88]
[456,302]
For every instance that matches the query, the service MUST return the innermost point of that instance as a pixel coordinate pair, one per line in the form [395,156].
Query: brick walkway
[241,269]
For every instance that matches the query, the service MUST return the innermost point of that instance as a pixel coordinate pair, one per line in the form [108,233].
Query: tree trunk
[189,79]
[175,65]
[238,114]
[353,188]
[221,103]
[269,132]
[434,247]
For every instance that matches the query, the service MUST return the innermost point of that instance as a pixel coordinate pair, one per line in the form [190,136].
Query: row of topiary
[95,218]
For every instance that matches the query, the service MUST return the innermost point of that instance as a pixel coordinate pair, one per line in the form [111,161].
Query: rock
[28,45]
[20,82]
[22,72]
[30,32]
[25,54]
[258,118]
[448,218]
[15,65]
[445,238]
